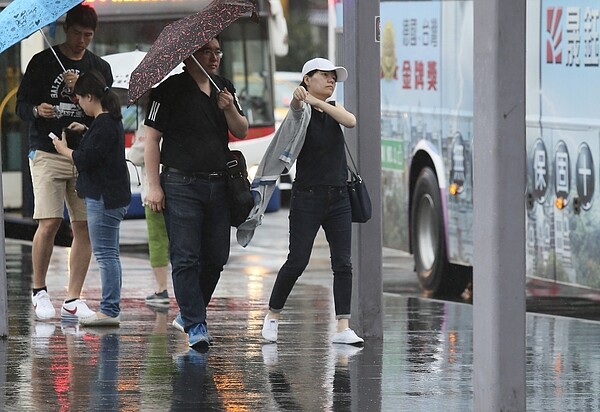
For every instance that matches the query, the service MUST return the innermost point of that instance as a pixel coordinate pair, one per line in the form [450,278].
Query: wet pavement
[423,363]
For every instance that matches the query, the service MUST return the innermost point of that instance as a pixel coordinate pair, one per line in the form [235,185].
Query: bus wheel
[427,234]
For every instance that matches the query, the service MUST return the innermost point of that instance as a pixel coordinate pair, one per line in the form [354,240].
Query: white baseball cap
[326,66]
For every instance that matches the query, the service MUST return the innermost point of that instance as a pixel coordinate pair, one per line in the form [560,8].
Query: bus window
[247,62]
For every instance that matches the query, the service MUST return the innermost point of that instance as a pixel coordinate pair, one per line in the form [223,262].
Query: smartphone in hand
[52,136]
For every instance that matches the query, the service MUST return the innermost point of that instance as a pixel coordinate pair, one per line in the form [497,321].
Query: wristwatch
[35,112]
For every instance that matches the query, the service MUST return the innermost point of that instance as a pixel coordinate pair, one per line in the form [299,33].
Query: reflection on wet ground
[424,362]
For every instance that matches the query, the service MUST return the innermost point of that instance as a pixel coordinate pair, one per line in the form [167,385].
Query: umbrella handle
[53,52]
[205,73]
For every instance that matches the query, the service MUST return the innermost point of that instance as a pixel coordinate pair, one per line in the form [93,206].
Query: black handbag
[241,201]
[360,202]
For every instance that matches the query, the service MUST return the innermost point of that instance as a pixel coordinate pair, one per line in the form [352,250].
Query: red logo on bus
[553,44]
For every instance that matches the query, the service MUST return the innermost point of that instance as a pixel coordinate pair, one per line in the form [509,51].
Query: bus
[250,48]
[427,139]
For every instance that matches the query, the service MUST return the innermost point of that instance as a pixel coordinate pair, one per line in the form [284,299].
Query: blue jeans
[103,225]
[311,208]
[198,225]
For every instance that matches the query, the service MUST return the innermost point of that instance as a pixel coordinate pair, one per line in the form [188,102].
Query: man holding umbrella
[45,100]
[193,119]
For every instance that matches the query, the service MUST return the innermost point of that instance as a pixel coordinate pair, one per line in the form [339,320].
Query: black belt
[200,175]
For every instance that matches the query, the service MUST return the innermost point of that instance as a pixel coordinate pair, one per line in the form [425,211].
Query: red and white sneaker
[43,306]
[75,310]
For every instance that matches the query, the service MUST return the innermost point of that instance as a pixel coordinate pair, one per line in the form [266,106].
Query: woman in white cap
[319,198]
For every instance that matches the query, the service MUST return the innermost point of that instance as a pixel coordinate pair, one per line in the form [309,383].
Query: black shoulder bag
[241,201]
[357,191]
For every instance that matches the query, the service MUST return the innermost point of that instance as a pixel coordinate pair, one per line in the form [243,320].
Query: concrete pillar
[362,97]
[3,282]
[499,206]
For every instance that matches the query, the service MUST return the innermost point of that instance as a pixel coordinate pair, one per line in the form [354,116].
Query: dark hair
[309,74]
[92,82]
[82,15]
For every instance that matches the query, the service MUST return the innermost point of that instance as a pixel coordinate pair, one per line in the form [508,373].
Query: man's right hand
[155,199]
[46,110]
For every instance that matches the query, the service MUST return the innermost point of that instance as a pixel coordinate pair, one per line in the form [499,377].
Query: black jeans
[311,208]
[197,221]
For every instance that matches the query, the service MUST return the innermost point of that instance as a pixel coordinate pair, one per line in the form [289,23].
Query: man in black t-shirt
[45,100]
[193,121]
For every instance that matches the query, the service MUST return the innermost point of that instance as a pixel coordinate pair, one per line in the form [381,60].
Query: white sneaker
[43,306]
[75,310]
[347,337]
[269,329]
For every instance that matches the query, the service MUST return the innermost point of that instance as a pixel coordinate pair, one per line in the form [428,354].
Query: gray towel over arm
[278,158]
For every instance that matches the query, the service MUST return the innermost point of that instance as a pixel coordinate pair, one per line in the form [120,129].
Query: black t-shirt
[194,130]
[43,82]
[322,160]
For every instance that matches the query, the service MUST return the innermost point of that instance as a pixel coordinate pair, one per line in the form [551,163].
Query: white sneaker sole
[40,317]
[94,320]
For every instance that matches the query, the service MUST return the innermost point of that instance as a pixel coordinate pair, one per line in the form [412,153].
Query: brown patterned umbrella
[180,39]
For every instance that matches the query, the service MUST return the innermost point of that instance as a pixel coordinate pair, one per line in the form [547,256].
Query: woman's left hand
[60,144]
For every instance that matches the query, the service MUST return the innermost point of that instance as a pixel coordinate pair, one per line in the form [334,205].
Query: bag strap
[136,171]
[355,171]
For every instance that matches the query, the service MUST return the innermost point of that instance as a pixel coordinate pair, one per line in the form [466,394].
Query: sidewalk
[424,362]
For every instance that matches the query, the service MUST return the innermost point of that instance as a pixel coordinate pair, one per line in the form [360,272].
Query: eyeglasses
[208,52]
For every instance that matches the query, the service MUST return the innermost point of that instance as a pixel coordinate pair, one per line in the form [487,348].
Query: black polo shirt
[195,132]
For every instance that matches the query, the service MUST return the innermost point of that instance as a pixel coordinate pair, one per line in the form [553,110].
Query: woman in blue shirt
[103,182]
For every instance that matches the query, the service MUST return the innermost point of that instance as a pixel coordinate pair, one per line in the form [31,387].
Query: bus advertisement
[427,139]
[250,46]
